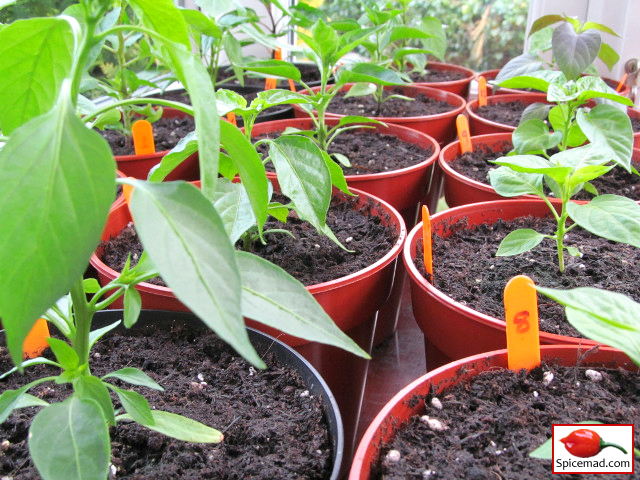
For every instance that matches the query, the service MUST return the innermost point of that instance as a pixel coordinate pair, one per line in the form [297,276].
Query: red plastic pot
[138,166]
[442,126]
[453,330]
[120,198]
[459,87]
[481,126]
[403,406]
[351,301]
[635,113]
[403,189]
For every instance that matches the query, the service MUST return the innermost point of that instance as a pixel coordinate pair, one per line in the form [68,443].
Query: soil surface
[368,151]
[635,124]
[506,113]
[396,107]
[618,181]
[494,421]
[436,76]
[467,270]
[272,428]
[310,257]
[167,132]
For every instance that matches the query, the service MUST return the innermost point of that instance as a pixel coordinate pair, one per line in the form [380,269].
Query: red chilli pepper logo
[586,443]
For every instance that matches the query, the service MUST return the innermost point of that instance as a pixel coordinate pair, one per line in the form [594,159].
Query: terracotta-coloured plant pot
[404,404]
[403,189]
[351,301]
[138,166]
[481,126]
[635,114]
[120,198]
[453,330]
[440,126]
[459,87]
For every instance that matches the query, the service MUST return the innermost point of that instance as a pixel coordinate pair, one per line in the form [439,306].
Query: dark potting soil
[635,124]
[467,270]
[167,132]
[436,76]
[310,257]
[368,151]
[396,107]
[272,427]
[495,420]
[506,113]
[618,181]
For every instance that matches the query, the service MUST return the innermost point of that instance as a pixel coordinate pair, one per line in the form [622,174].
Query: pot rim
[526,97]
[469,74]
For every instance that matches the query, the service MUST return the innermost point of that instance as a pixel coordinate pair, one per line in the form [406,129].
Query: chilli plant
[62,178]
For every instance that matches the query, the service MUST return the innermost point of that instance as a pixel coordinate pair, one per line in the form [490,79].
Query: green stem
[83,316]
[560,236]
[87,43]
[605,444]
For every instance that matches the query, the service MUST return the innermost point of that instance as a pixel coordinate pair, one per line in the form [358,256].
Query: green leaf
[403,32]
[557,94]
[598,26]
[533,135]
[608,55]
[609,216]
[70,441]
[278,97]
[61,179]
[37,55]
[325,42]
[367,72]
[181,428]
[534,164]
[201,23]
[229,101]
[187,146]
[250,167]
[608,126]
[215,8]
[232,203]
[361,90]
[437,43]
[88,387]
[594,87]
[573,251]
[96,335]
[135,405]
[337,175]
[539,80]
[509,183]
[27,400]
[574,52]
[134,376]
[519,241]
[576,136]
[91,285]
[28,363]
[535,110]
[65,355]
[274,68]
[163,17]
[607,317]
[518,66]
[303,176]
[541,40]
[132,306]
[545,21]
[183,235]
[273,297]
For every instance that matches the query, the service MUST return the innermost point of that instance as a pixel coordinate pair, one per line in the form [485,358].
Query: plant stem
[560,232]
[83,316]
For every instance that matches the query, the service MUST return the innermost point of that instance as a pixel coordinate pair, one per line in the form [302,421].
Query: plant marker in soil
[36,341]
[127,191]
[482,91]
[462,125]
[622,82]
[426,241]
[232,119]
[521,314]
[143,142]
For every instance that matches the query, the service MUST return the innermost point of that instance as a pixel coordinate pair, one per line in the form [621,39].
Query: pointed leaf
[182,428]
[539,80]
[519,241]
[367,72]
[279,97]
[545,21]
[337,175]
[518,66]
[187,146]
[88,387]
[27,400]
[232,203]
[134,376]
[163,16]
[535,110]
[70,441]
[96,335]
[132,306]
[609,216]
[608,55]
[59,180]
[509,183]
[574,52]
[37,55]
[183,235]
[594,87]
[610,127]
[273,297]
[533,135]
[65,355]
[135,405]
[274,68]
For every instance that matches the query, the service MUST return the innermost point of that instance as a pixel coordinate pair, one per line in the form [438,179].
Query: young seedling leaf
[183,235]
[337,175]
[612,217]
[70,441]
[535,110]
[96,335]
[132,306]
[574,52]
[518,66]
[519,241]
[65,355]
[608,55]
[509,183]
[27,400]
[232,203]
[273,297]
[367,72]
[361,90]
[135,405]
[181,428]
[187,146]
[538,80]
[134,376]
[594,87]
[545,21]
[88,387]
[533,135]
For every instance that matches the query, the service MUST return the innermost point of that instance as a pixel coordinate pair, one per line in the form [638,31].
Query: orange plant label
[232,118]
[270,83]
[622,82]
[482,91]
[462,124]
[292,86]
[143,142]
[36,341]
[426,241]
[521,312]
[127,191]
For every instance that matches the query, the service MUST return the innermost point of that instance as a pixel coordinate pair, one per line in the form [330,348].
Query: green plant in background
[62,177]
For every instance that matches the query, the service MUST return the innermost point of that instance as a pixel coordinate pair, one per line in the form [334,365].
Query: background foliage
[481,34]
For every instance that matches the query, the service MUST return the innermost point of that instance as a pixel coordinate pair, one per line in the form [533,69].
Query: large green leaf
[610,127]
[532,135]
[325,42]
[534,164]
[70,441]
[518,66]
[58,182]
[183,235]
[509,183]
[181,428]
[574,52]
[37,55]
[609,216]
[275,68]
[539,80]
[163,17]
[273,297]
[303,176]
[607,317]
[201,23]
[437,43]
